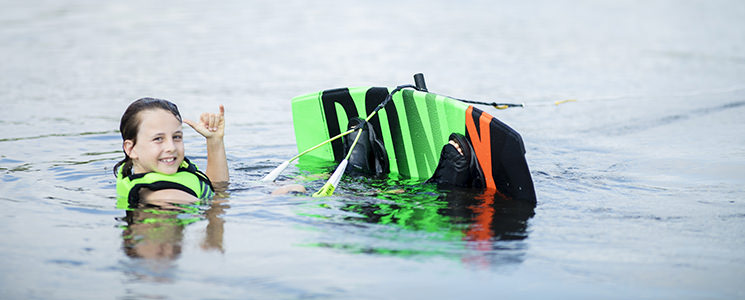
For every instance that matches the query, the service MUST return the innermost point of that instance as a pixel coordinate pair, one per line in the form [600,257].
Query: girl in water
[154,169]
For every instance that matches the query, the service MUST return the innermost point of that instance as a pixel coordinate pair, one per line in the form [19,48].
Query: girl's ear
[128,145]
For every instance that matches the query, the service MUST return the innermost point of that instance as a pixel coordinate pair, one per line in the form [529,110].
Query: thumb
[192,124]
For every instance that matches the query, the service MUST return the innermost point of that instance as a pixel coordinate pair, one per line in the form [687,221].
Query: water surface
[639,182]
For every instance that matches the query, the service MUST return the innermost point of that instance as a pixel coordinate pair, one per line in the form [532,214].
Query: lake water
[639,183]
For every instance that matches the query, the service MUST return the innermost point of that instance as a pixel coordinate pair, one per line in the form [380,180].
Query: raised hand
[210,125]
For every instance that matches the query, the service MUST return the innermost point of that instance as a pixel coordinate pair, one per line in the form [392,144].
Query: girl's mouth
[168,160]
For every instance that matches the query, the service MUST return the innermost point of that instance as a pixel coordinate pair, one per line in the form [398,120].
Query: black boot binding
[369,156]
[458,170]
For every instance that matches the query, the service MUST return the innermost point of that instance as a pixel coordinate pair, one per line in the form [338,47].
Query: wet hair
[130,124]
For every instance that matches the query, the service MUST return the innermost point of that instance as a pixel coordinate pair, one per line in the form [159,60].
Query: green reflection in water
[410,218]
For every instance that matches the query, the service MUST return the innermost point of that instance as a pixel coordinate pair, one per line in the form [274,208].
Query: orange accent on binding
[481,144]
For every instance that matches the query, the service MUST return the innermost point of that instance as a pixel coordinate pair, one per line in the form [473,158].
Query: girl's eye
[158,139]
[177,137]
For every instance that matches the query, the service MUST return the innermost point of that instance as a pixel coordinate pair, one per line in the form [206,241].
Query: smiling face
[160,146]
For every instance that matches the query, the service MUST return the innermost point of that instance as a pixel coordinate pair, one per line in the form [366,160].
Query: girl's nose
[170,145]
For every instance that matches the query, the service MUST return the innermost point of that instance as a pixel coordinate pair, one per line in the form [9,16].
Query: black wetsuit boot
[369,156]
[458,170]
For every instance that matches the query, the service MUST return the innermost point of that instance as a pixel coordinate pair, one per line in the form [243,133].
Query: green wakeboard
[414,127]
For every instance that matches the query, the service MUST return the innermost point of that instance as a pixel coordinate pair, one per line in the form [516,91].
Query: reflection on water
[481,228]
[153,235]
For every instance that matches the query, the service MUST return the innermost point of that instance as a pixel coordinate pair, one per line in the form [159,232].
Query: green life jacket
[188,179]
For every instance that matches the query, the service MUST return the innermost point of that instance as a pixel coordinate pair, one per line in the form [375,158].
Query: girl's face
[160,145]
